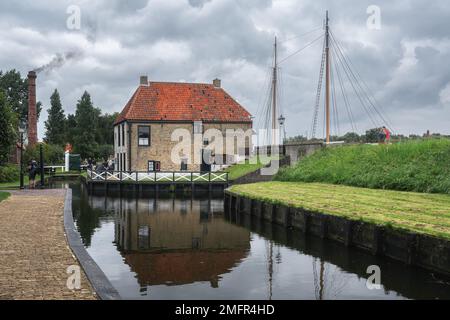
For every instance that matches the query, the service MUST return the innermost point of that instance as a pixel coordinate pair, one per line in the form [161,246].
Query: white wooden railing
[158,176]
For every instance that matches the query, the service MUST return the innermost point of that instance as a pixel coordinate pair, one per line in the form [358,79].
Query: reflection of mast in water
[330,278]
[270,269]
[321,280]
[270,266]
[278,256]
[319,287]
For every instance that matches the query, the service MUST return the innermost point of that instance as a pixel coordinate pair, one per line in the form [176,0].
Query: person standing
[387,135]
[381,136]
[32,171]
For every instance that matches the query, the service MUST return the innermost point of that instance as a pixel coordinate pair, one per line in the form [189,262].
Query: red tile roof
[168,101]
[182,267]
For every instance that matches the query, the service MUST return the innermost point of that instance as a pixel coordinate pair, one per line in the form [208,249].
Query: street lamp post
[21,132]
[41,160]
[281,120]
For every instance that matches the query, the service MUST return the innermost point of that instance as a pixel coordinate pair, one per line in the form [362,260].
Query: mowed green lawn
[13,184]
[418,212]
[4,195]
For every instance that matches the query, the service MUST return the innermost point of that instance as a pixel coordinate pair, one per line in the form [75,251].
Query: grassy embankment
[417,212]
[245,167]
[4,196]
[421,166]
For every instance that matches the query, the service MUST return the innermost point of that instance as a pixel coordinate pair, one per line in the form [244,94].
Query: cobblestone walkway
[34,254]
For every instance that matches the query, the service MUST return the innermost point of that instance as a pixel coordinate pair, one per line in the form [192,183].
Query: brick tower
[32,112]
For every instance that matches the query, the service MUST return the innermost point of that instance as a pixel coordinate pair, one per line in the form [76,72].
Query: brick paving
[34,254]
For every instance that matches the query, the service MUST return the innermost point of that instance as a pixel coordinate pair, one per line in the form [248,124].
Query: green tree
[105,132]
[56,122]
[52,154]
[86,117]
[71,128]
[103,151]
[372,135]
[16,90]
[296,139]
[8,122]
[351,137]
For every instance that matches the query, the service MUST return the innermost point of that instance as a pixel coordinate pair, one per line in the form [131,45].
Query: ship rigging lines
[347,96]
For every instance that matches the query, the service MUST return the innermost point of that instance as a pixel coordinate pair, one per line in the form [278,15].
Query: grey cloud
[197,40]
[198,3]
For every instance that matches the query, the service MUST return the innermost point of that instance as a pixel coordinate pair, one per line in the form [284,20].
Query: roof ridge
[174,82]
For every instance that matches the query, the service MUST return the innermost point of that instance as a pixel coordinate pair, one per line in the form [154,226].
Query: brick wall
[161,144]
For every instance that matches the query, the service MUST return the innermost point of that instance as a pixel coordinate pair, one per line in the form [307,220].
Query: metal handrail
[158,176]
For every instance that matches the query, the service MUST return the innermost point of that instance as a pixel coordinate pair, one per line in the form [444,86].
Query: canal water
[183,247]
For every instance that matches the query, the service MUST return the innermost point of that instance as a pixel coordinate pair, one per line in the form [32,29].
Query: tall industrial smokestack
[32,112]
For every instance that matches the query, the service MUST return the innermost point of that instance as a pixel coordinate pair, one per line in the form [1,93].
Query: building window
[198,127]
[184,165]
[144,237]
[122,162]
[143,135]
[118,136]
[154,166]
[123,134]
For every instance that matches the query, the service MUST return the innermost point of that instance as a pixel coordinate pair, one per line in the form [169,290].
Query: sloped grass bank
[421,166]
[422,213]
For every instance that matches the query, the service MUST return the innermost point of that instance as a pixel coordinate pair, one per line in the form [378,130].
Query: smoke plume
[58,61]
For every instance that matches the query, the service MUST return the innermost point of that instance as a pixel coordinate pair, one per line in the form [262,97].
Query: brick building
[178,242]
[143,130]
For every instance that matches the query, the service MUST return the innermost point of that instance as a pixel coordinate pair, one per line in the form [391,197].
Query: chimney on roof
[32,110]
[216,83]
[143,81]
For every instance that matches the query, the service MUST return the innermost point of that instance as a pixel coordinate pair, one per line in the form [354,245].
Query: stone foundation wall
[410,248]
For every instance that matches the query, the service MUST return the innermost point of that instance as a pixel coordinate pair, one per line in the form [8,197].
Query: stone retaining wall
[411,248]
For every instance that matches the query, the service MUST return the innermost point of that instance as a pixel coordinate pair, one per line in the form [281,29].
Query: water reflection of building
[176,241]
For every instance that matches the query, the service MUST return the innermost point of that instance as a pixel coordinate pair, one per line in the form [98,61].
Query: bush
[52,154]
[422,166]
[103,152]
[9,173]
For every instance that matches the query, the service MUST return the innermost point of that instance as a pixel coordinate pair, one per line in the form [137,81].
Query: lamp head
[22,127]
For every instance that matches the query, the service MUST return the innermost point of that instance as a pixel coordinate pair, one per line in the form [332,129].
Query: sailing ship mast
[274,95]
[327,79]
[341,74]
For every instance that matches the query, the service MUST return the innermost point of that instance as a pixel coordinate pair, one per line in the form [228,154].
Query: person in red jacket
[387,135]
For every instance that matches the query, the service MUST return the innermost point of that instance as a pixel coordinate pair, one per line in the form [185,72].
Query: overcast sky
[405,62]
